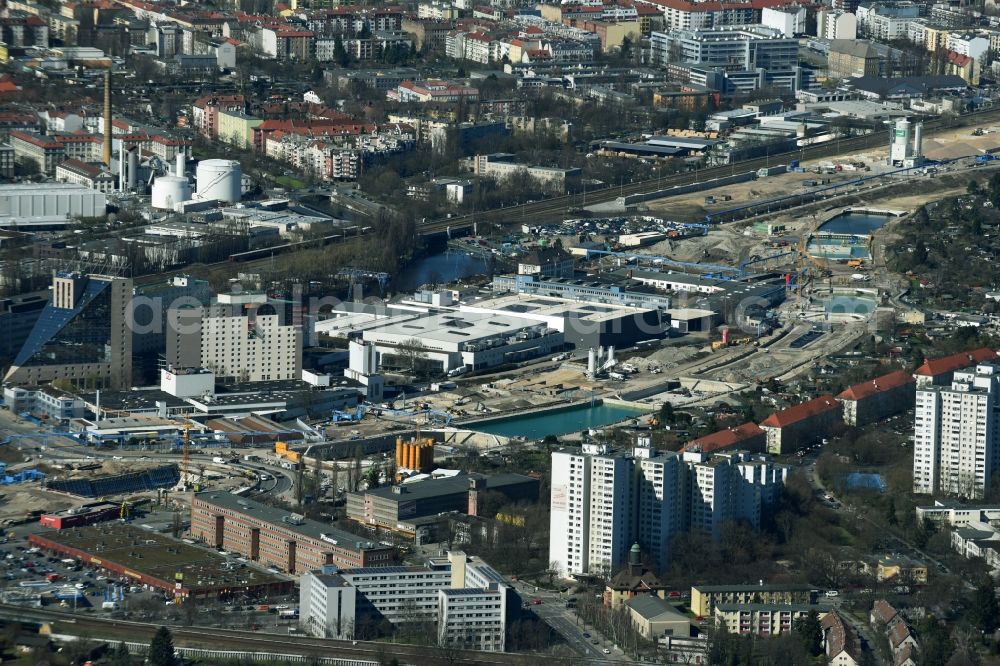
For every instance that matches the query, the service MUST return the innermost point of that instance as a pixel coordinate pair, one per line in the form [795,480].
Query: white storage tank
[219,179]
[169,191]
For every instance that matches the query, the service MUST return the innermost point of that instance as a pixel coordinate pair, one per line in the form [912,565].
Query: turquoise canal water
[854,223]
[561,422]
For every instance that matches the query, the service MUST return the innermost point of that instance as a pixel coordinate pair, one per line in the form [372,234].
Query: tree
[972,187]
[810,633]
[890,512]
[667,412]
[920,253]
[121,656]
[161,649]
[984,611]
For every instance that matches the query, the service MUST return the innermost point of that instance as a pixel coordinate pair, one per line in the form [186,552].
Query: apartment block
[604,501]
[745,437]
[793,428]
[878,398]
[763,619]
[274,537]
[472,618]
[704,598]
[955,433]
[464,595]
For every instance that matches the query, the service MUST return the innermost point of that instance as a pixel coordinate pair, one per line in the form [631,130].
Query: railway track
[251,641]
[556,207]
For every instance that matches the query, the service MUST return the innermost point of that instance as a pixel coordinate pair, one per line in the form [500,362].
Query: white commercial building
[582,324]
[603,501]
[448,341]
[27,200]
[955,434]
[471,612]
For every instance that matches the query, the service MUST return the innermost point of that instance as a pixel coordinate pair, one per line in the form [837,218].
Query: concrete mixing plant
[902,151]
[219,180]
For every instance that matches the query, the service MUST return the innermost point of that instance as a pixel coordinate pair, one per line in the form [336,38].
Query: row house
[363,48]
[11,121]
[879,398]
[799,426]
[205,112]
[475,46]
[22,30]
[61,121]
[287,43]
[432,91]
[354,20]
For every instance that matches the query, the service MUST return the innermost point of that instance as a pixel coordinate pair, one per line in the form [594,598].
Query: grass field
[289,182]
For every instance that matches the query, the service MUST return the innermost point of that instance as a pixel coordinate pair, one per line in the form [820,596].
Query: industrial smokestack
[107,119]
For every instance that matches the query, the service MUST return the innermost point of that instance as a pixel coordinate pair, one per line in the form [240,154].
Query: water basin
[558,422]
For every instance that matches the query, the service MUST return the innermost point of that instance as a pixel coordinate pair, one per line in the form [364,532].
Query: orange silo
[399,452]
[411,456]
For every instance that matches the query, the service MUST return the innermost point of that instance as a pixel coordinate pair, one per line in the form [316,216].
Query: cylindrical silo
[591,361]
[918,139]
[169,191]
[399,452]
[411,456]
[219,180]
[132,168]
[181,163]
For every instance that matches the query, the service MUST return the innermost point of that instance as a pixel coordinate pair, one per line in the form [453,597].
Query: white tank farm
[168,191]
[219,179]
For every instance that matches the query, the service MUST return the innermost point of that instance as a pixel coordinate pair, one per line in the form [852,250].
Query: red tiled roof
[883,611]
[36,139]
[90,170]
[839,638]
[946,364]
[869,388]
[725,438]
[958,59]
[689,6]
[899,633]
[787,417]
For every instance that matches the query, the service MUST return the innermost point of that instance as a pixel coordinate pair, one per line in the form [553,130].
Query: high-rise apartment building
[955,433]
[82,335]
[604,500]
[235,340]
